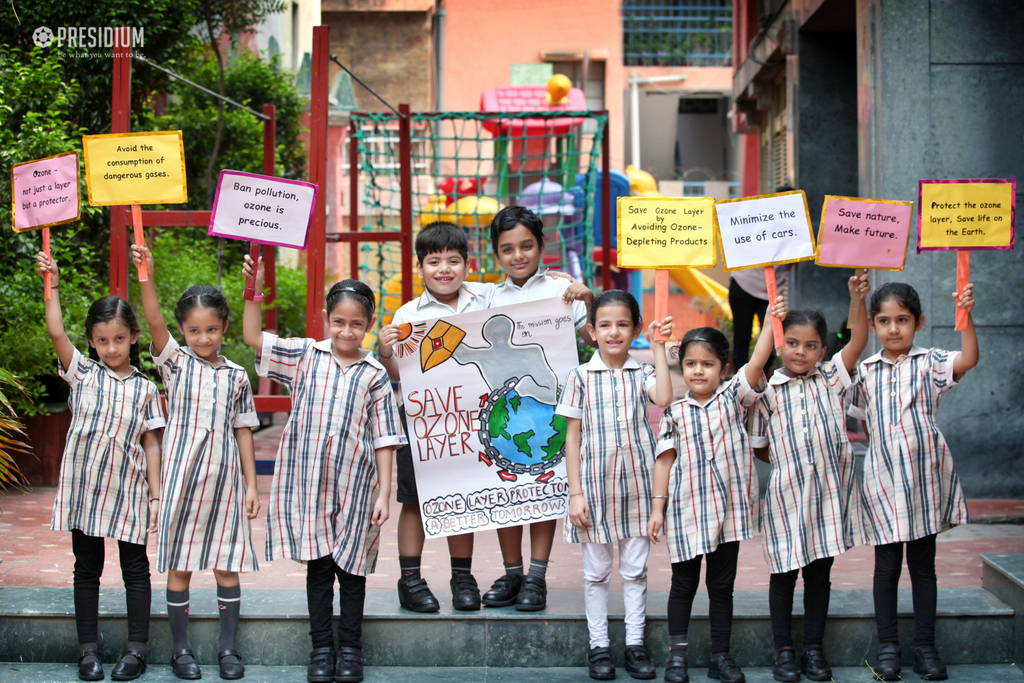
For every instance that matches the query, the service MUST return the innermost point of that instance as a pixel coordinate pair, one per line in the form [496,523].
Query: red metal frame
[315,247]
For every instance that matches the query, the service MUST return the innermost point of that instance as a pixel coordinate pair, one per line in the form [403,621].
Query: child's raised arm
[150,302]
[858,285]
[54,319]
[661,392]
[386,340]
[252,316]
[969,353]
[763,349]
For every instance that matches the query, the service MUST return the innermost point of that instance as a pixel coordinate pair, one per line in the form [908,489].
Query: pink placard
[863,233]
[45,192]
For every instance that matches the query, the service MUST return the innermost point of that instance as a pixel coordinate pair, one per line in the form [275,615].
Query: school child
[332,479]
[609,450]
[441,253]
[705,489]
[517,238]
[110,471]
[810,510]
[909,489]
[208,483]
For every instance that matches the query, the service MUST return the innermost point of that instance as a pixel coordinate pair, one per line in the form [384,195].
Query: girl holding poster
[909,491]
[810,510]
[609,452]
[208,483]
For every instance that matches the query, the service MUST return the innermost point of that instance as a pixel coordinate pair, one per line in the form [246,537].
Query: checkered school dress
[325,478]
[103,489]
[909,488]
[616,447]
[811,508]
[712,486]
[203,523]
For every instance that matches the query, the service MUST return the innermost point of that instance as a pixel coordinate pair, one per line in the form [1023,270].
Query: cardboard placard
[666,232]
[765,230]
[263,209]
[966,214]
[135,168]
[44,192]
[863,233]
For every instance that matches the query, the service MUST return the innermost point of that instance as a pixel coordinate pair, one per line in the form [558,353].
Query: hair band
[373,304]
[700,339]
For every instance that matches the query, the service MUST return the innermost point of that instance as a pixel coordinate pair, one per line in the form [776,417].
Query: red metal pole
[315,261]
[353,199]
[606,210]
[269,276]
[120,122]
[405,178]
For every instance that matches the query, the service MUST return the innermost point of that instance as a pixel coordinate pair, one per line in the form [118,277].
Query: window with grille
[677,32]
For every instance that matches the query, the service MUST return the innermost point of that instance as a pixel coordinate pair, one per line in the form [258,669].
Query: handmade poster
[44,192]
[262,209]
[966,214]
[765,230]
[135,168]
[666,232]
[863,233]
[480,392]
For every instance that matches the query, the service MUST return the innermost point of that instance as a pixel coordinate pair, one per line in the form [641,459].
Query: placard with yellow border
[45,192]
[135,168]
[764,230]
[966,214]
[666,232]
[863,233]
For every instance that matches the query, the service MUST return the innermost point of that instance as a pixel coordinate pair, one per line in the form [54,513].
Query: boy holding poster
[517,237]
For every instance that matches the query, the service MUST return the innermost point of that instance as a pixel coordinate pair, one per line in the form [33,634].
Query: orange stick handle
[47,290]
[140,239]
[250,283]
[963,276]
[773,294]
[660,301]
[854,313]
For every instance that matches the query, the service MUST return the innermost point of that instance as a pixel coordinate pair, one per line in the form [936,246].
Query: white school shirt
[325,477]
[540,286]
[909,488]
[103,490]
[616,447]
[203,524]
[811,509]
[712,486]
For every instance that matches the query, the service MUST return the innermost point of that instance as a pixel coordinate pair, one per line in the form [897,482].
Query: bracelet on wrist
[578,493]
[154,500]
[659,496]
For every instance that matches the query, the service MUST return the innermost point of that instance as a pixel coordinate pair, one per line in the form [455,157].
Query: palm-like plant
[12,434]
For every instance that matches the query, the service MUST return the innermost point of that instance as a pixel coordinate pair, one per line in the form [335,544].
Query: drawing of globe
[42,36]
[521,434]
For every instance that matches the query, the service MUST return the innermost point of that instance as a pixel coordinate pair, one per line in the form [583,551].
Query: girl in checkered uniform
[208,483]
[609,453]
[810,511]
[705,489]
[909,490]
[332,476]
[110,472]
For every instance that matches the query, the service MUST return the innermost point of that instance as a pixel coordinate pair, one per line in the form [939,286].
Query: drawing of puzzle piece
[439,344]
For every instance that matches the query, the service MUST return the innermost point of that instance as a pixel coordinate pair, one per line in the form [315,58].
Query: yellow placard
[965,214]
[135,168]
[666,232]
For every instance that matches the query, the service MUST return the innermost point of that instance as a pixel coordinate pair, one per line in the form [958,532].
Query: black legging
[744,307]
[921,564]
[719,579]
[817,588]
[89,556]
[320,600]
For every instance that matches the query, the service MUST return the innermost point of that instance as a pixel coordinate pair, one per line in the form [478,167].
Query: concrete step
[61,673]
[1003,575]
[37,625]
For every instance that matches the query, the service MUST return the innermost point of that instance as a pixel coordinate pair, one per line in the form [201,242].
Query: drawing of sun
[409,337]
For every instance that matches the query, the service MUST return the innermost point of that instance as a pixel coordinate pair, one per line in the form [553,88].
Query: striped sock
[514,568]
[177,616]
[538,568]
[229,601]
[410,566]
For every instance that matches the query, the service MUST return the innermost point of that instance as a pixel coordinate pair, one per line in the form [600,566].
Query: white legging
[597,575]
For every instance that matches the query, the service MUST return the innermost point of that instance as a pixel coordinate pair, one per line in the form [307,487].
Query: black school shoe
[814,664]
[504,591]
[230,671]
[465,592]
[533,596]
[677,667]
[638,662]
[599,662]
[723,668]
[888,666]
[348,667]
[928,665]
[90,671]
[415,595]
[189,671]
[131,666]
[785,668]
[321,665]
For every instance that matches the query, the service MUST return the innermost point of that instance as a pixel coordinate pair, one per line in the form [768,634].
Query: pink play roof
[517,98]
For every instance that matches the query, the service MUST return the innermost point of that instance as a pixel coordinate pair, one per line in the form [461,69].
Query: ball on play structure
[559,86]
[472,211]
[433,209]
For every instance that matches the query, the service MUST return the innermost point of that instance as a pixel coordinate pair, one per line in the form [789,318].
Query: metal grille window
[677,32]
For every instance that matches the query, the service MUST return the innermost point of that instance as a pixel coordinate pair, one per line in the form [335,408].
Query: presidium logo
[90,36]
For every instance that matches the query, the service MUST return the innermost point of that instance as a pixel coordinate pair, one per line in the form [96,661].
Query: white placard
[765,230]
[258,208]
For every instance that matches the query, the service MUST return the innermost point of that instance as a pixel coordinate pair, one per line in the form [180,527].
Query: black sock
[410,566]
[512,569]
[463,565]
[88,659]
[229,601]
[538,568]
[177,616]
